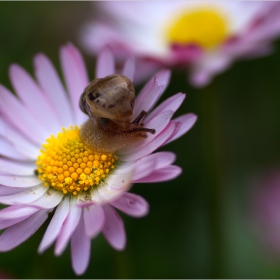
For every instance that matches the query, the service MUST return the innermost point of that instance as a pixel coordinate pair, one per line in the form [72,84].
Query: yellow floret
[65,163]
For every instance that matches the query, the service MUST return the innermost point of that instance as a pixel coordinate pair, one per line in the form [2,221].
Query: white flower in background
[45,167]
[204,36]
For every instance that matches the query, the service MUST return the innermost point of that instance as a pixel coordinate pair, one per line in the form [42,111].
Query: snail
[109,103]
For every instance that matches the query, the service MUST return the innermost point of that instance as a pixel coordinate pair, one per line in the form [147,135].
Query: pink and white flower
[41,108]
[265,209]
[205,36]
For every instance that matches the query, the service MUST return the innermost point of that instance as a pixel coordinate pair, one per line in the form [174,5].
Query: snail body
[109,103]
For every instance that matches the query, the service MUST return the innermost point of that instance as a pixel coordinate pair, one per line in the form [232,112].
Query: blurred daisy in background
[204,36]
[265,211]
[45,166]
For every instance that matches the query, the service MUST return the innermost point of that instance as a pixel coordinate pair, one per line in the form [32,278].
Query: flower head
[48,167]
[206,36]
[265,209]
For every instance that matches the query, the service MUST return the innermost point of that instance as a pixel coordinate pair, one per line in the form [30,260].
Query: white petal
[55,225]
[113,229]
[74,72]
[94,219]
[149,164]
[162,77]
[163,159]
[49,200]
[16,234]
[171,103]
[17,168]
[187,122]
[10,222]
[24,146]
[147,98]
[8,150]
[175,131]
[33,98]
[162,175]
[143,168]
[24,197]
[17,211]
[112,187]
[9,191]
[80,249]
[21,118]
[129,68]
[105,65]
[132,204]
[19,181]
[68,227]
[51,84]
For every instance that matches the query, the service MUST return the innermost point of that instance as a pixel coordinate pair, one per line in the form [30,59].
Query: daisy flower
[45,167]
[204,36]
[265,209]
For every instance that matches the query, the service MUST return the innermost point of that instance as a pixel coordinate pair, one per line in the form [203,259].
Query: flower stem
[215,167]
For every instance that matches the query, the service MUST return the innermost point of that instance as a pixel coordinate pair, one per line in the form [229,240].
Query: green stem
[214,158]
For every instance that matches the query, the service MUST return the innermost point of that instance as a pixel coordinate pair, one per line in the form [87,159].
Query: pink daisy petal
[162,77]
[80,249]
[113,229]
[143,168]
[17,211]
[55,225]
[3,127]
[176,130]
[17,168]
[163,159]
[171,103]
[49,200]
[19,181]
[10,222]
[147,98]
[124,167]
[105,65]
[68,227]
[187,121]
[129,68]
[146,165]
[25,196]
[94,219]
[21,144]
[4,191]
[113,187]
[33,98]
[162,175]
[132,205]
[76,79]
[53,88]
[16,234]
[148,149]
[27,125]
[8,150]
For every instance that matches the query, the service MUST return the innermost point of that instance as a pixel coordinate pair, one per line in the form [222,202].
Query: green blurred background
[199,225]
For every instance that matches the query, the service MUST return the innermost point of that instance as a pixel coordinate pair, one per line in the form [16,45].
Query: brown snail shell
[109,103]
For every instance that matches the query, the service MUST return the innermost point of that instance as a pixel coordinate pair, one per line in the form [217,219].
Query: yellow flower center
[205,27]
[67,164]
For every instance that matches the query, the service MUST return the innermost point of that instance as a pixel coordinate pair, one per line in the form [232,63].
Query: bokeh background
[200,225]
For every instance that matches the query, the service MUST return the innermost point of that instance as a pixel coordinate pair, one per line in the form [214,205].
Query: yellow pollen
[66,164]
[205,27]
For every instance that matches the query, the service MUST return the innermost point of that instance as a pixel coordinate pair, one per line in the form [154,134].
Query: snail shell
[109,103]
[112,97]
